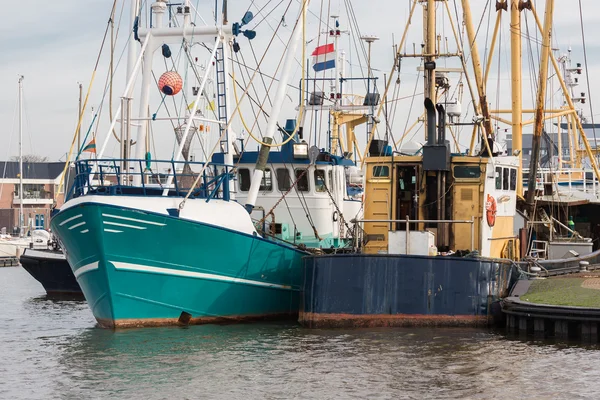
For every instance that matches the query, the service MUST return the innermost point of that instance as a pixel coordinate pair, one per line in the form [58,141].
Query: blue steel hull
[397,290]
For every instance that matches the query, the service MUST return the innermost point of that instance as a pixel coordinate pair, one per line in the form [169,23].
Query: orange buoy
[170,83]
[490,210]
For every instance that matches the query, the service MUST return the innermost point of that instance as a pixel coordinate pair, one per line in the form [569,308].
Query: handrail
[408,221]
[107,177]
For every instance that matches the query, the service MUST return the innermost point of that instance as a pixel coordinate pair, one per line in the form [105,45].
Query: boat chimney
[441,124]
[430,121]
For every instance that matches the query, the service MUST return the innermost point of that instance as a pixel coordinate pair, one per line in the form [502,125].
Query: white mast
[277,105]
[21,77]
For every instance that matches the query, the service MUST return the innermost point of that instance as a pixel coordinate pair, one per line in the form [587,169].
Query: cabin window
[467,171]
[513,179]
[320,180]
[284,181]
[505,178]
[498,178]
[244,179]
[302,179]
[381,171]
[266,184]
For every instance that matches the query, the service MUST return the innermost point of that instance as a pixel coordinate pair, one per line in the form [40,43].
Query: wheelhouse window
[498,178]
[467,171]
[513,179]
[505,178]
[320,180]
[302,179]
[381,171]
[284,181]
[266,184]
[244,179]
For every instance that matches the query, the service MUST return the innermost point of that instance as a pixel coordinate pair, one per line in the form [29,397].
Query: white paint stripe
[86,268]
[77,225]
[112,230]
[133,219]
[69,220]
[191,274]
[125,225]
[85,231]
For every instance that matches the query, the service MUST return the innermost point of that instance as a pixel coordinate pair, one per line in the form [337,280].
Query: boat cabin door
[407,196]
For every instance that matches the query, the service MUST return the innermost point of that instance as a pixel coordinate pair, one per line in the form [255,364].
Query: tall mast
[277,105]
[479,80]
[430,52]
[21,77]
[539,111]
[517,101]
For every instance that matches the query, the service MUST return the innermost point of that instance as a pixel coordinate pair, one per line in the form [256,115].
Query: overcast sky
[55,45]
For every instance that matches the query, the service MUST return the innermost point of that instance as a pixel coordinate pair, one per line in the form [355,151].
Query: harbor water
[52,349]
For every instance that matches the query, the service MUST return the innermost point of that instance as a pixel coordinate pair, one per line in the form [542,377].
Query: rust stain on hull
[158,322]
[318,320]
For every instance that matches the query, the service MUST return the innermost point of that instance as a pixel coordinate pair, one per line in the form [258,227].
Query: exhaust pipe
[431,119]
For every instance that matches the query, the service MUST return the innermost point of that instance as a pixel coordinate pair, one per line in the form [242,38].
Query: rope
[587,73]
[302,88]
[62,179]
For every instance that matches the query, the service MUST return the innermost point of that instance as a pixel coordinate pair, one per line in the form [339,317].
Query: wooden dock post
[523,326]
[539,328]
[561,329]
[510,323]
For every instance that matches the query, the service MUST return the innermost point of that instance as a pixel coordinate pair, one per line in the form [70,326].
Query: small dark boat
[50,268]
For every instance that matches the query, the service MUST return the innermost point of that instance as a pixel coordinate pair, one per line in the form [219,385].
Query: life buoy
[490,210]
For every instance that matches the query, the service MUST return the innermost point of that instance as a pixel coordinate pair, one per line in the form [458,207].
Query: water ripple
[51,348]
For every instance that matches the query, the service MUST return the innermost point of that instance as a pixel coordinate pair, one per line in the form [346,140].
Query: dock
[9,261]
[563,307]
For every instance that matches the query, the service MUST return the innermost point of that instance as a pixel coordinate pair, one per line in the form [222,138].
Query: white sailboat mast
[21,77]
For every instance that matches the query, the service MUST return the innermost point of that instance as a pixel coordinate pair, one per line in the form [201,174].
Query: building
[549,150]
[41,182]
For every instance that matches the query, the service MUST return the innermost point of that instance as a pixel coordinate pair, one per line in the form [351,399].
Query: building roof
[31,170]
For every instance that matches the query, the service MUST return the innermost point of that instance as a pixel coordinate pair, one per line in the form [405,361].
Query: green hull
[139,268]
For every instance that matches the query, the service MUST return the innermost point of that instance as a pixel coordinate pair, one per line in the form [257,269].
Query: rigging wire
[86,98]
[587,76]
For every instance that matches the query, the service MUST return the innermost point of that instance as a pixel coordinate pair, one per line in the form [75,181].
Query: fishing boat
[439,242]
[50,268]
[155,242]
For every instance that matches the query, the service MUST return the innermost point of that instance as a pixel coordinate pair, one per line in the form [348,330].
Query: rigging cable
[86,100]
[587,77]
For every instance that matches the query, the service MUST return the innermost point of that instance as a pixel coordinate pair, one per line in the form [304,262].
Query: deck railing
[116,177]
[408,221]
[568,179]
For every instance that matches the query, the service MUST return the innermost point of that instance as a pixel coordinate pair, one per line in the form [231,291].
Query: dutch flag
[324,57]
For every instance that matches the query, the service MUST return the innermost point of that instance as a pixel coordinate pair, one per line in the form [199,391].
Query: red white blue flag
[324,57]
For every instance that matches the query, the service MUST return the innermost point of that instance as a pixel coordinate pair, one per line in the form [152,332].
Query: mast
[479,80]
[277,105]
[539,111]
[79,130]
[517,102]
[21,77]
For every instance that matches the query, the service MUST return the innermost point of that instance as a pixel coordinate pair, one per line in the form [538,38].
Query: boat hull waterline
[139,268]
